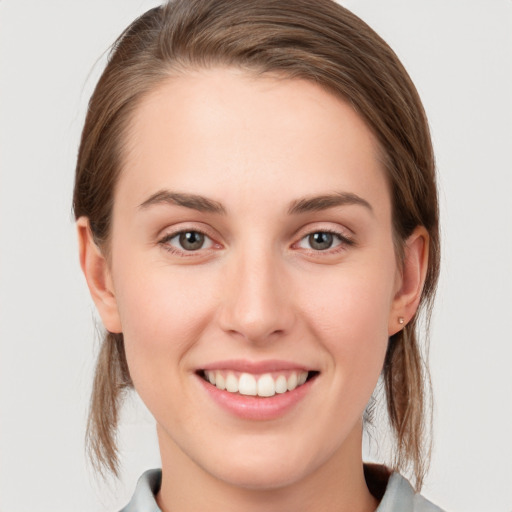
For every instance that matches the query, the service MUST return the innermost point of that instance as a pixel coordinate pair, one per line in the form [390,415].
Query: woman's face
[252,246]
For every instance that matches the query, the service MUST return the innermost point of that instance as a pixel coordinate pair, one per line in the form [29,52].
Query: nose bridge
[256,305]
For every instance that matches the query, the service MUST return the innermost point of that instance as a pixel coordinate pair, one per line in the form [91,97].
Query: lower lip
[254,407]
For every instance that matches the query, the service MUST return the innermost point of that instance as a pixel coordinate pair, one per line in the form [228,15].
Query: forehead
[226,132]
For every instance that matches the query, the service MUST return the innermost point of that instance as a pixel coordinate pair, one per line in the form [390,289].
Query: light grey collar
[399,495]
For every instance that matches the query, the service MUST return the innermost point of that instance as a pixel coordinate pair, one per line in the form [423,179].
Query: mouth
[262,385]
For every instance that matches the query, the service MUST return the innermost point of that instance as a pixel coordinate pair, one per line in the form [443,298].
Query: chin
[261,467]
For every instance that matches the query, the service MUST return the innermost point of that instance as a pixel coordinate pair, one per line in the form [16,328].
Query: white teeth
[247,384]
[281,385]
[231,383]
[266,385]
[301,378]
[220,381]
[292,381]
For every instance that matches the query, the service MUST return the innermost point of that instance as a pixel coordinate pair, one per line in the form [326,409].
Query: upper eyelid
[319,227]
[167,238]
[171,234]
[170,231]
[342,238]
[331,231]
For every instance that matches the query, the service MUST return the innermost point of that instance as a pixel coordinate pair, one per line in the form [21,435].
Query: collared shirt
[399,495]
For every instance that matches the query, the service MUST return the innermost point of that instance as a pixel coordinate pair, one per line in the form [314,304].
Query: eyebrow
[302,205]
[192,201]
[324,202]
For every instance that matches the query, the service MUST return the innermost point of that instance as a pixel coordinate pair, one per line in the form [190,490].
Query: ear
[98,277]
[410,280]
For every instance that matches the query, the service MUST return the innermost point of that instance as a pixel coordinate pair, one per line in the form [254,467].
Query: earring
[401,320]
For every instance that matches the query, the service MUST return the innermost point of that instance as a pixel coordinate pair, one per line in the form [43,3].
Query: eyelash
[343,240]
[164,242]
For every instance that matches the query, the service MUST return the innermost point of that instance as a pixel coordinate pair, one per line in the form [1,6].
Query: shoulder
[400,497]
[143,499]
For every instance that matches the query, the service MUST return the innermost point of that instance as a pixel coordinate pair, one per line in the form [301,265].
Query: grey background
[459,55]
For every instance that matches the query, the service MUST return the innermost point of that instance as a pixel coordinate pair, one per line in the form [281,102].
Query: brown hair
[318,41]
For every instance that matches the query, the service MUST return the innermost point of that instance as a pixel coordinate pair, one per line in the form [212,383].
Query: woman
[258,225]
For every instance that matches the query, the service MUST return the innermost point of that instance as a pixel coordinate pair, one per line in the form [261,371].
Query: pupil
[191,240]
[320,241]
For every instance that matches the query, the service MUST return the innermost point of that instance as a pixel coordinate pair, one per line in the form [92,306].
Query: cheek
[162,315]
[349,313]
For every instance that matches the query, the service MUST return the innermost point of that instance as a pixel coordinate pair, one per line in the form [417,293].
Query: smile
[262,385]
[257,391]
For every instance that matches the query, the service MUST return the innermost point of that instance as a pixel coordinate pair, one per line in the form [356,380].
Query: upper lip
[255,367]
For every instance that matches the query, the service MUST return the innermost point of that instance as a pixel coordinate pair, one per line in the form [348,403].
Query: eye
[187,241]
[323,241]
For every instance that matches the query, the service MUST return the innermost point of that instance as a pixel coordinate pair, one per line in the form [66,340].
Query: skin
[258,289]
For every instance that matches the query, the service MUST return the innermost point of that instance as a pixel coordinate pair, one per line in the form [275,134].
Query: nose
[257,304]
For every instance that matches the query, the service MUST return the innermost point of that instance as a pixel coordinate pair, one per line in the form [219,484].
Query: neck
[337,485]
